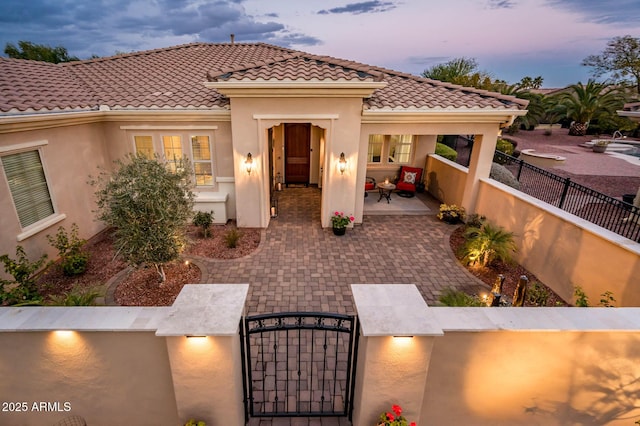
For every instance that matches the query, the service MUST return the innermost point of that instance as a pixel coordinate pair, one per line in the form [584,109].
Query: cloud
[621,12]
[501,4]
[427,60]
[104,27]
[373,6]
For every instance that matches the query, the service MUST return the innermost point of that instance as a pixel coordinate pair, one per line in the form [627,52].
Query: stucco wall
[563,250]
[108,378]
[445,179]
[71,154]
[533,377]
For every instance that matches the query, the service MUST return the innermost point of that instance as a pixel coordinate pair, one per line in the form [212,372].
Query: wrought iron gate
[298,364]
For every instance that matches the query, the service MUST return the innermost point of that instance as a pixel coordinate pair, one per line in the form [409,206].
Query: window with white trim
[173,146]
[201,158]
[28,186]
[390,149]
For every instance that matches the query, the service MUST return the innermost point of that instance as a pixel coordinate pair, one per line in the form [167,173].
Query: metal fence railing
[598,208]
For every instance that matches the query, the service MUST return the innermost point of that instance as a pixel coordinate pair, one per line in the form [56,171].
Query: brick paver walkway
[300,266]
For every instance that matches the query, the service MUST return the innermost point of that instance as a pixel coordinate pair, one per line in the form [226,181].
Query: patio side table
[385,191]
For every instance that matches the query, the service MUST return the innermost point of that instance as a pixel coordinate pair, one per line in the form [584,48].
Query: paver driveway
[300,266]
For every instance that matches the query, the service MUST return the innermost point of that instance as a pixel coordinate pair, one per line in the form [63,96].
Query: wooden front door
[297,150]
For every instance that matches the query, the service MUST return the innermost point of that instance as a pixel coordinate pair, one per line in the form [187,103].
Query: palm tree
[582,103]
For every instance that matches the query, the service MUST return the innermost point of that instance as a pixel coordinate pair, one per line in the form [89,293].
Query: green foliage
[454,297]
[149,205]
[582,301]
[231,238]
[487,244]
[537,294]
[73,259]
[203,220]
[76,297]
[475,221]
[446,152]
[38,52]
[584,103]
[620,59]
[505,146]
[22,290]
[194,422]
[503,175]
[607,300]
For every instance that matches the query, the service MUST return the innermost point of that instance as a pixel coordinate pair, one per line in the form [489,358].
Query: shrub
[203,220]
[505,147]
[503,175]
[446,152]
[453,297]
[76,297]
[149,202]
[582,301]
[475,221]
[538,294]
[607,300]
[23,287]
[73,259]
[231,238]
[487,244]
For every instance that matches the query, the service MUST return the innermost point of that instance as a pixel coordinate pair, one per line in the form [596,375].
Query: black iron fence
[598,208]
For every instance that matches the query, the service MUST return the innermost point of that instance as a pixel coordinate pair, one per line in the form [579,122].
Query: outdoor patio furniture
[410,178]
[369,185]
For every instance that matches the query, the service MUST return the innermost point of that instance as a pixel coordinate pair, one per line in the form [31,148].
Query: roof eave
[296,88]
[503,117]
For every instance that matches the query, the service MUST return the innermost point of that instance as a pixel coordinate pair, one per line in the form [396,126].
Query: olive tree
[148,204]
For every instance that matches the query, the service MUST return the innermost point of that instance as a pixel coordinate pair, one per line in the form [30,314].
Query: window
[201,150]
[28,186]
[144,145]
[387,149]
[172,149]
[374,154]
[400,148]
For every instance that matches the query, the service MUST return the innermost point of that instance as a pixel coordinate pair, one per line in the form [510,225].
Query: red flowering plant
[340,220]
[394,418]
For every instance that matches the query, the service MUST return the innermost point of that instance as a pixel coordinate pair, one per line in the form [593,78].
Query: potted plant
[600,145]
[393,418]
[340,222]
[451,214]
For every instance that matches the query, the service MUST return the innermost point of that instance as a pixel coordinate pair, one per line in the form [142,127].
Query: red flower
[413,424]
[390,417]
[351,218]
[336,213]
[397,409]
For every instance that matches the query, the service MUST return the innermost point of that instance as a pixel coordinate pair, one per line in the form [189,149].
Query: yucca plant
[487,244]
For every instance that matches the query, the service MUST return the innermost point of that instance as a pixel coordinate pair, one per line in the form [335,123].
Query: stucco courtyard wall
[480,366]
[546,374]
[563,250]
[445,179]
[106,377]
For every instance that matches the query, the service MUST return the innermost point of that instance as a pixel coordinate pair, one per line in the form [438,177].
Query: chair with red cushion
[410,177]
[369,185]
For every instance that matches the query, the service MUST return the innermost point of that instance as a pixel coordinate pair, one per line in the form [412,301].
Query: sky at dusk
[509,39]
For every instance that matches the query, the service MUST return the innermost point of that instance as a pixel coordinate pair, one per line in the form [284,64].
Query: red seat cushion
[409,177]
[369,186]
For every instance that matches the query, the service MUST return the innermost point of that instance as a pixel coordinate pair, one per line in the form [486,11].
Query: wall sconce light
[248,163]
[342,163]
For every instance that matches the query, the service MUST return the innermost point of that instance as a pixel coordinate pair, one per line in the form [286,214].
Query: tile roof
[173,78]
